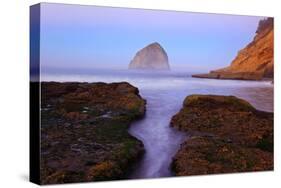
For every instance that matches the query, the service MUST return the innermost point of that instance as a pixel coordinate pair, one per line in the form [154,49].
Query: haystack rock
[152,57]
[255,61]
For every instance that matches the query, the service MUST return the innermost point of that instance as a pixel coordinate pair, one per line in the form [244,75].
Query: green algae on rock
[223,123]
[84,131]
[211,155]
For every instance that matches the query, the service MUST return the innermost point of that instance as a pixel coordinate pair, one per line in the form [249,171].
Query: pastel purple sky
[74,36]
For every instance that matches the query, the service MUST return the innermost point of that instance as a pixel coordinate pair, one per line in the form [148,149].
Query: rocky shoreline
[227,135]
[232,76]
[84,131]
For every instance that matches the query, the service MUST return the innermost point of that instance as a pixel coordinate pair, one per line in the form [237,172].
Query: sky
[89,37]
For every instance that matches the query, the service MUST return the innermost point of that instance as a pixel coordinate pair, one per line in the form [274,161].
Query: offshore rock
[152,57]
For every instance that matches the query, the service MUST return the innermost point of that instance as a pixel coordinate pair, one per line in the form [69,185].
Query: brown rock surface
[84,131]
[152,56]
[232,136]
[207,155]
[255,61]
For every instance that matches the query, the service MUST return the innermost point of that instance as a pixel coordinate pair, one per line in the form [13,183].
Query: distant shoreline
[217,77]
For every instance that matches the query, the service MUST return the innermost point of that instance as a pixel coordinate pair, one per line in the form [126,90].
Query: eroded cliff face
[255,61]
[152,56]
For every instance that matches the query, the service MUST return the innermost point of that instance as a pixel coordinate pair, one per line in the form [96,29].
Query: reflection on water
[165,92]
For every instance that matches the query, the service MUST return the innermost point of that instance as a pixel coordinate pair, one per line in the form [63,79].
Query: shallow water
[165,92]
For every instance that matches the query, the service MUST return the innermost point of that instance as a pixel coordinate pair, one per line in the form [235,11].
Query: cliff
[255,61]
[152,56]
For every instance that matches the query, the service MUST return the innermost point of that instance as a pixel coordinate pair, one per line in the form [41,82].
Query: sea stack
[151,57]
[255,61]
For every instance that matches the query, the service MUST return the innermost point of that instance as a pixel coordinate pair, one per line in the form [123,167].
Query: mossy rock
[225,116]
[206,155]
[217,101]
[63,176]
[240,138]
[85,132]
[107,170]
[265,144]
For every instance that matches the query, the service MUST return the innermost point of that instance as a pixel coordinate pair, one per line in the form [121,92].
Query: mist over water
[165,92]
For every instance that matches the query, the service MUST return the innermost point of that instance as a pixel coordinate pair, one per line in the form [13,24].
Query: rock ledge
[227,135]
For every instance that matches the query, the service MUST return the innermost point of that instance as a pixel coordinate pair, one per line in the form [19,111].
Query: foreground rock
[255,61]
[152,56]
[229,135]
[84,131]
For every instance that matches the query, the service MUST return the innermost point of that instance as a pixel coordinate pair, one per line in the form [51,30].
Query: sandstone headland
[255,61]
